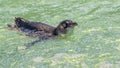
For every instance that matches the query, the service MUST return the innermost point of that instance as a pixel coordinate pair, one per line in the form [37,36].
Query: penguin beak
[73,24]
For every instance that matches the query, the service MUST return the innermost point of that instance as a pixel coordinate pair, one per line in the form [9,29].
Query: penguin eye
[64,25]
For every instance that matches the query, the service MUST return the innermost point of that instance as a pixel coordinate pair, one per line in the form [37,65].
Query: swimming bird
[39,29]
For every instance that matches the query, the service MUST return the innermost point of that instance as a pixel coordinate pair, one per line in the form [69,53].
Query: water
[94,44]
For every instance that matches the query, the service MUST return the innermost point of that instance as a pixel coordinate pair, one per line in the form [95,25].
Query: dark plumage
[41,30]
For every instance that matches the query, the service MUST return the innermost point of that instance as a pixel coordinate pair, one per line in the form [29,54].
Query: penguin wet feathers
[20,22]
[41,29]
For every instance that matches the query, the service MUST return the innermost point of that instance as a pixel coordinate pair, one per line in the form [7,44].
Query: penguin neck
[56,31]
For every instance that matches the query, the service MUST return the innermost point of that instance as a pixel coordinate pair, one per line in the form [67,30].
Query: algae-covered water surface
[95,42]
